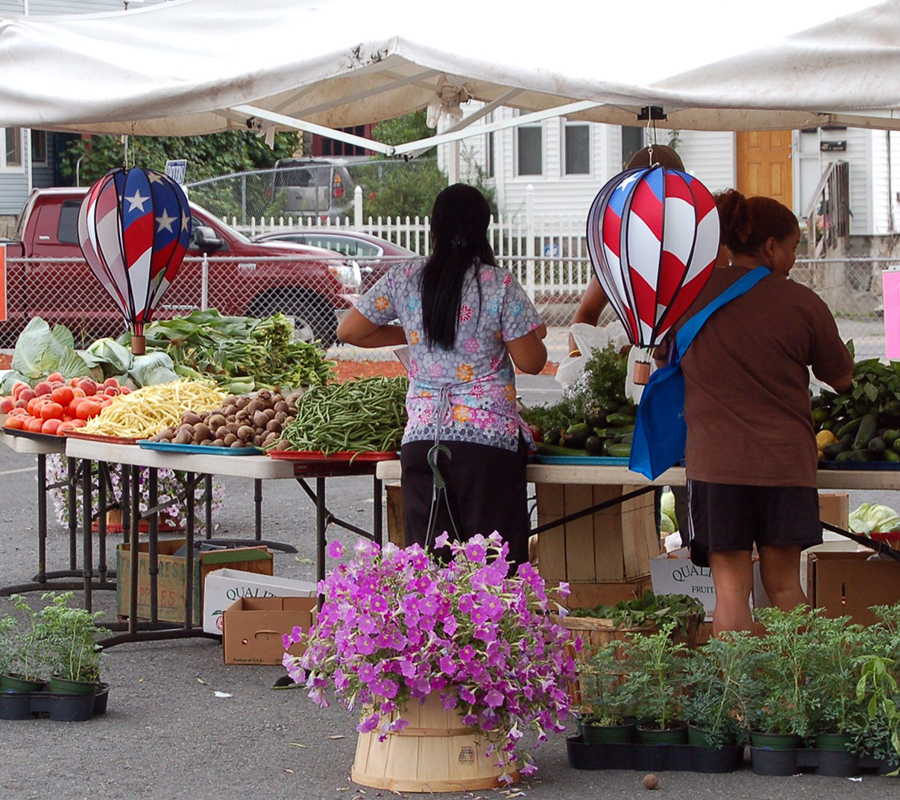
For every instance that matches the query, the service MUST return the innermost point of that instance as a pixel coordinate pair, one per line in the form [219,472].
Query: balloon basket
[138,345]
[641,372]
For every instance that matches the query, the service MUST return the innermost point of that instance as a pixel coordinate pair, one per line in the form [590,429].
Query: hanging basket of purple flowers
[398,629]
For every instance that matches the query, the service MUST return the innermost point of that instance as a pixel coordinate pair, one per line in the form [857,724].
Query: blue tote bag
[660,433]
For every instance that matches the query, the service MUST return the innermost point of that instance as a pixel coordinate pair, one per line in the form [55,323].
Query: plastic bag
[587,338]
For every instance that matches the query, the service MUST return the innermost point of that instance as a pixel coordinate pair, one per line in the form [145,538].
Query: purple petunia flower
[335,550]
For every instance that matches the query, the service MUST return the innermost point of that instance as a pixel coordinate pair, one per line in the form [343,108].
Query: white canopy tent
[199,66]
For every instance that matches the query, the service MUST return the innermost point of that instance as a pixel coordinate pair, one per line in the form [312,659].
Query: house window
[39,147]
[530,157]
[577,145]
[12,149]
[632,141]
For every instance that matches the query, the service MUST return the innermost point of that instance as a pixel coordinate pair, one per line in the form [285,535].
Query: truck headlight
[348,274]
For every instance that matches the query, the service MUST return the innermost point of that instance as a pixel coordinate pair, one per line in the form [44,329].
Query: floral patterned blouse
[472,387]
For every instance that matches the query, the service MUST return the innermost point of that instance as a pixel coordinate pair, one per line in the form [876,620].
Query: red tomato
[7,404]
[51,426]
[52,410]
[111,391]
[55,376]
[26,394]
[111,382]
[78,392]
[19,411]
[87,409]
[34,424]
[62,395]
[78,423]
[34,405]
[124,390]
[15,422]
[42,388]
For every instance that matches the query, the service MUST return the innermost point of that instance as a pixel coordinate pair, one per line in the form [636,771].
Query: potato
[230,439]
[221,431]
[260,419]
[216,420]
[245,433]
[272,426]
[183,437]
[202,432]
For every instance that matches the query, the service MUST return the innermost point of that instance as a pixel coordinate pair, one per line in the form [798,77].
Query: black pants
[486,488]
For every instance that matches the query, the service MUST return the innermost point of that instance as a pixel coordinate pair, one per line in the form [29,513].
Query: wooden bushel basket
[595,632]
[435,753]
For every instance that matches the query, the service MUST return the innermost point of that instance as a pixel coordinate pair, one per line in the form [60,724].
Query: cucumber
[831,451]
[860,455]
[617,420]
[849,427]
[891,435]
[576,435]
[555,450]
[843,456]
[820,415]
[594,445]
[876,446]
[868,427]
[890,455]
[619,450]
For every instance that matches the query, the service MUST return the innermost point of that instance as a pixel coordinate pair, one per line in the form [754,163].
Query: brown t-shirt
[746,401]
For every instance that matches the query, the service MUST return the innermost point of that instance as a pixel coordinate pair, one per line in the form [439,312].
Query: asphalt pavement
[182,725]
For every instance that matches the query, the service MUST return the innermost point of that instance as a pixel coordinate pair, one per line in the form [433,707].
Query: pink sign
[891,285]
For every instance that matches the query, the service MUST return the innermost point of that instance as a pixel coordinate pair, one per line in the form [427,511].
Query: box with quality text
[254,627]
[224,586]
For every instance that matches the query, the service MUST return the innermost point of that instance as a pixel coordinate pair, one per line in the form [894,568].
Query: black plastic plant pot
[723,759]
[101,699]
[15,705]
[697,737]
[774,762]
[774,741]
[606,734]
[70,707]
[13,683]
[886,766]
[677,733]
[66,686]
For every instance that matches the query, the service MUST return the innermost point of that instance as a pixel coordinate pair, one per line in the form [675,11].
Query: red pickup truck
[48,277]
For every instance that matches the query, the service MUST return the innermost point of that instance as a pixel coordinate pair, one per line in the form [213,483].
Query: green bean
[365,415]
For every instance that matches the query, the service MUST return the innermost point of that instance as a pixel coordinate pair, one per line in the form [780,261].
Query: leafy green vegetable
[659,610]
[151,369]
[874,519]
[114,358]
[38,351]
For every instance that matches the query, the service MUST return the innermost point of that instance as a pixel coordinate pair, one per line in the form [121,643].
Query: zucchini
[617,420]
[576,435]
[831,451]
[868,427]
[820,415]
[594,445]
[876,446]
[844,455]
[891,435]
[890,455]
[619,450]
[860,455]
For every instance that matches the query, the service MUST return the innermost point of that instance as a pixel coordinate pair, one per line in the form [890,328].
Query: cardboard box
[847,583]
[254,627]
[610,546]
[224,586]
[171,576]
[834,508]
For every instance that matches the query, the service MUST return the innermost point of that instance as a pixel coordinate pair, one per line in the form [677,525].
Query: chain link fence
[315,291]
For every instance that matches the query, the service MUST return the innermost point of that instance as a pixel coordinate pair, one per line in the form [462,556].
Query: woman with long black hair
[466,321]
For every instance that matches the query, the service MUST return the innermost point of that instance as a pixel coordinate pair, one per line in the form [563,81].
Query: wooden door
[764,165]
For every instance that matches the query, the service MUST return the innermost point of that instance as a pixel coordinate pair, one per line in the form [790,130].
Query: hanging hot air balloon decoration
[653,238]
[134,227]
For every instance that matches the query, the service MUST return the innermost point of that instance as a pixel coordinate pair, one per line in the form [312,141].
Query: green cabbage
[114,358]
[39,349]
[151,369]
[874,519]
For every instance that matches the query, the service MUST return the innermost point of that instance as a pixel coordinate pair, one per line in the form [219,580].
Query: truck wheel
[314,318]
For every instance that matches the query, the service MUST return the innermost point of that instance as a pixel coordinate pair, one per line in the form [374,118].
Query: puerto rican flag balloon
[134,227]
[653,238]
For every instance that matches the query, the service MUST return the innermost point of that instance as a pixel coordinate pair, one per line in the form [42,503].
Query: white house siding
[885,183]
[41,7]
[708,156]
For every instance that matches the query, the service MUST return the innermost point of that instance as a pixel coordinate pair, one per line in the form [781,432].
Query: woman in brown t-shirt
[751,453]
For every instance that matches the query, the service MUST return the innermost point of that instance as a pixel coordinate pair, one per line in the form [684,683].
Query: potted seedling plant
[604,698]
[716,683]
[654,667]
[836,714]
[779,710]
[73,654]
[27,648]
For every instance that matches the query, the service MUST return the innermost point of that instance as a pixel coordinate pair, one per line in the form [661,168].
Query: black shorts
[735,517]
[486,488]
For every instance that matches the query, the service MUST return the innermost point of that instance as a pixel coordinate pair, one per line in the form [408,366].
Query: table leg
[208,490]
[189,555]
[153,540]
[134,546]
[320,528]
[102,483]
[41,577]
[377,526]
[71,469]
[87,545]
[257,508]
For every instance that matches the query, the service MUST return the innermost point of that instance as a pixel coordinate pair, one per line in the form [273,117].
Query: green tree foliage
[208,156]
[408,128]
